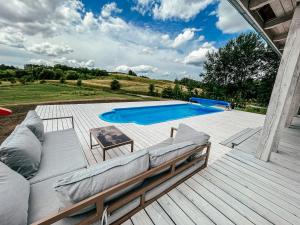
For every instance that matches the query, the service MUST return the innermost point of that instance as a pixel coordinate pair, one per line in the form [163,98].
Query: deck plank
[236,188]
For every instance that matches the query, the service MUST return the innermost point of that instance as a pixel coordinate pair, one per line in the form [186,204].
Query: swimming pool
[147,115]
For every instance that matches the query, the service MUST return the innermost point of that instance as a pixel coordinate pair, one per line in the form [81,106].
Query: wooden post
[283,91]
[294,106]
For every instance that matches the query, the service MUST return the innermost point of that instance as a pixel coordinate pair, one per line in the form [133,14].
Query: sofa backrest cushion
[35,124]
[88,182]
[186,133]
[21,151]
[161,155]
[14,197]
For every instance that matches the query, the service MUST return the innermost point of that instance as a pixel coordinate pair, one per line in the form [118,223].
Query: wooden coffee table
[108,138]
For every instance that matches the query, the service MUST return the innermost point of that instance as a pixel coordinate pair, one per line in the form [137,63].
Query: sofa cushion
[14,196]
[35,124]
[43,202]
[162,144]
[62,153]
[186,133]
[161,155]
[87,182]
[21,151]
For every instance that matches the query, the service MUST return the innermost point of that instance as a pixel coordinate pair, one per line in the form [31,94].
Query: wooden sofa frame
[98,199]
[61,117]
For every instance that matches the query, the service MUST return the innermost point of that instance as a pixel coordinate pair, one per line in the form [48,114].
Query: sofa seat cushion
[43,202]
[186,133]
[21,151]
[88,182]
[165,185]
[62,153]
[14,196]
[35,124]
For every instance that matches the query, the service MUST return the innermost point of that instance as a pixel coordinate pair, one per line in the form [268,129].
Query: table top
[110,136]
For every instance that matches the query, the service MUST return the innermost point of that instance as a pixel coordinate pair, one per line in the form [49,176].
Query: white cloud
[198,56]
[49,49]
[64,61]
[89,21]
[11,37]
[179,9]
[110,8]
[97,41]
[47,17]
[188,34]
[137,69]
[143,6]
[147,51]
[229,20]
[201,38]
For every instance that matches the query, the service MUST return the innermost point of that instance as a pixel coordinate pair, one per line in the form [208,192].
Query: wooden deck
[236,188]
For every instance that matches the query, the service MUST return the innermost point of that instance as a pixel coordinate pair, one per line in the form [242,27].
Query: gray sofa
[65,191]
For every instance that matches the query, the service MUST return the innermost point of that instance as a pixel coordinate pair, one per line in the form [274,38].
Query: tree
[167,92]
[115,85]
[237,70]
[177,93]
[72,75]
[12,80]
[131,73]
[151,89]
[79,82]
[62,80]
[47,74]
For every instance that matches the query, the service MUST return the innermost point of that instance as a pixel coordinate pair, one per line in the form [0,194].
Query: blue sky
[163,39]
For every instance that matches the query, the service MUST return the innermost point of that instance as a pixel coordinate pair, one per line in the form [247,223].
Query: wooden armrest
[62,117]
[172,131]
[97,200]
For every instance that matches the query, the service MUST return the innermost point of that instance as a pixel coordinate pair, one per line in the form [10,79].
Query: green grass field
[35,93]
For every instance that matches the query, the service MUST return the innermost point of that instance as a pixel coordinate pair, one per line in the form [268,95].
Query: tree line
[242,72]
[32,72]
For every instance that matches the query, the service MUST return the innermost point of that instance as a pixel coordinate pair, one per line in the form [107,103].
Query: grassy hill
[132,88]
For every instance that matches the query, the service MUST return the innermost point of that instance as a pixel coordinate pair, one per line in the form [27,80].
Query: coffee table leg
[132,146]
[91,140]
[103,154]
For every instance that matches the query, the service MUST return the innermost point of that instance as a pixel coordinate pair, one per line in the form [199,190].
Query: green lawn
[42,93]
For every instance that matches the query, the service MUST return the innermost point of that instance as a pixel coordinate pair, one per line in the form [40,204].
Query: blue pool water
[156,114]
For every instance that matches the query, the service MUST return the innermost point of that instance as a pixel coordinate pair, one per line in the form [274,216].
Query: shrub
[0,82]
[47,74]
[151,89]
[177,92]
[72,75]
[99,73]
[167,92]
[79,82]
[42,81]
[22,80]
[62,80]
[12,80]
[115,85]
[131,73]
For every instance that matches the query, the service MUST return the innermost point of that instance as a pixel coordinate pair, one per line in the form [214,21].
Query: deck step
[228,142]
[240,137]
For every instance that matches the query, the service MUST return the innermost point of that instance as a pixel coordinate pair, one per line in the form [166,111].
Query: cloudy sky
[164,39]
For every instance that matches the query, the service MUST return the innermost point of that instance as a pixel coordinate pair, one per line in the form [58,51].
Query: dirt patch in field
[8,123]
